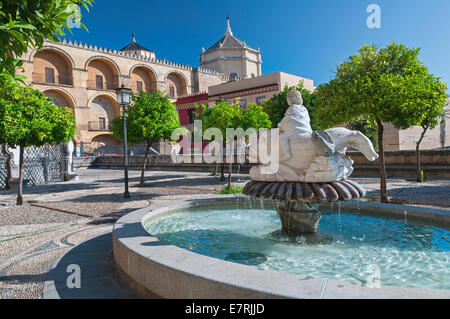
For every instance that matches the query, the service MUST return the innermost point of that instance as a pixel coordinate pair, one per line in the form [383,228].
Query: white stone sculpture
[69,174]
[311,156]
[174,151]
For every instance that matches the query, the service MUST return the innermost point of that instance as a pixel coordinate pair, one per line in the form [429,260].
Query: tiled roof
[134,46]
[192,99]
[228,41]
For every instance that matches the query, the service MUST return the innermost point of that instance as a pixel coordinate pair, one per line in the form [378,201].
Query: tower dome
[232,56]
[135,47]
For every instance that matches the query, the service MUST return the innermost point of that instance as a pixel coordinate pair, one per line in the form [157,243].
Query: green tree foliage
[151,118]
[432,112]
[277,105]
[367,127]
[224,115]
[255,117]
[387,85]
[29,118]
[25,24]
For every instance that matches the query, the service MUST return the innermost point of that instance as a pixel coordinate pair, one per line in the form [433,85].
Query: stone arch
[103,110]
[101,57]
[61,98]
[176,84]
[53,48]
[103,73]
[145,75]
[105,142]
[106,138]
[52,66]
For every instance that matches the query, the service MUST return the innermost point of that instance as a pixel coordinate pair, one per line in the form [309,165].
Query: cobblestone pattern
[33,238]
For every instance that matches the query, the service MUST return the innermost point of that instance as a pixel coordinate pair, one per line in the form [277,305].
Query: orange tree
[29,118]
[151,118]
[387,85]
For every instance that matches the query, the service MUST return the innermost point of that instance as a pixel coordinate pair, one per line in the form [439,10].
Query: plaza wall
[399,164]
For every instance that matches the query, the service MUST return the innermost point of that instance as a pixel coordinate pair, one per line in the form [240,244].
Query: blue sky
[307,38]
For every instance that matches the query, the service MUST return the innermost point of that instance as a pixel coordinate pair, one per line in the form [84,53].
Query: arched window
[144,79]
[176,85]
[61,99]
[52,67]
[102,75]
[103,111]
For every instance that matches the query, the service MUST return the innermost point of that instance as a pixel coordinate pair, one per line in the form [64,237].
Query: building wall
[403,140]
[252,89]
[81,63]
[391,138]
[204,78]
[245,63]
[183,115]
[439,137]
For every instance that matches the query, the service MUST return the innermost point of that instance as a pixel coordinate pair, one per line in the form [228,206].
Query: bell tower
[232,56]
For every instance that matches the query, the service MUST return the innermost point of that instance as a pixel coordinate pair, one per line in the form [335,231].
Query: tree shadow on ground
[98,276]
[155,188]
[197,181]
[420,194]
[138,178]
[22,279]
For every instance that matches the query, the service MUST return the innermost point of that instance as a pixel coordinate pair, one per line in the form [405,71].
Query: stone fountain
[313,168]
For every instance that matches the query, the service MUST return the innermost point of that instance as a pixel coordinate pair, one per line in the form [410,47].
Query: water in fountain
[408,254]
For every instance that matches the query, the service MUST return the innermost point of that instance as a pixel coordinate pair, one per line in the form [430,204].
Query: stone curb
[167,271]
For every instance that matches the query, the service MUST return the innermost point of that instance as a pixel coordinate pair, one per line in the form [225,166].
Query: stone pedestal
[298,218]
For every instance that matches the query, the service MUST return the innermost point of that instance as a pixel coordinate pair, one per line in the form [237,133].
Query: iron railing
[98,126]
[106,85]
[3,169]
[58,79]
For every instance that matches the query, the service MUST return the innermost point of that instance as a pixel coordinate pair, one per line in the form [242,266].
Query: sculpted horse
[309,156]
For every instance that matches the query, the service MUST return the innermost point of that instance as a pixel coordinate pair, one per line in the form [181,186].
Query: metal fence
[2,169]
[42,165]
[135,150]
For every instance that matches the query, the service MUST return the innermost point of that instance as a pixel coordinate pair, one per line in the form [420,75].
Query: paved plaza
[59,217]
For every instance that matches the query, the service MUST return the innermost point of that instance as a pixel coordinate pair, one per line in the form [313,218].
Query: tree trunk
[418,168]
[147,149]
[215,169]
[382,165]
[19,187]
[230,170]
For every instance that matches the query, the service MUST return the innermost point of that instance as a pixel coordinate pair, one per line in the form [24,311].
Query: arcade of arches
[84,78]
[51,66]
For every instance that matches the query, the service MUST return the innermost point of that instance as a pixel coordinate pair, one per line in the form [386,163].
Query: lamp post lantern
[124,99]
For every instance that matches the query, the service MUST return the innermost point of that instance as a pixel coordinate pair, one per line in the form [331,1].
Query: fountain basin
[156,268]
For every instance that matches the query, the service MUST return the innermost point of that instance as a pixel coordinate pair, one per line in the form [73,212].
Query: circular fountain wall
[232,248]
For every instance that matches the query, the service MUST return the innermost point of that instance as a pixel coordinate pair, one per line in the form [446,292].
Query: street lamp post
[123,98]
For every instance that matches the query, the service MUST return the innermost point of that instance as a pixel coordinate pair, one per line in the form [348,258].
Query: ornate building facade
[84,78]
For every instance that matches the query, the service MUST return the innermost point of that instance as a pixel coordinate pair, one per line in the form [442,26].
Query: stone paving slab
[32,239]
[98,277]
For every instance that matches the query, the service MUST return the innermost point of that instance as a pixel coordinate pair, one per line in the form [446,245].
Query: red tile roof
[191,99]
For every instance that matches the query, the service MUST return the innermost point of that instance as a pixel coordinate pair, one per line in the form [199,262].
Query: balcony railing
[58,79]
[146,88]
[98,126]
[107,85]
